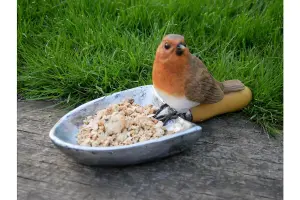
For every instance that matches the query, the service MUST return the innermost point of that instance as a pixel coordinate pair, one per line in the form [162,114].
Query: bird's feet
[171,114]
[162,107]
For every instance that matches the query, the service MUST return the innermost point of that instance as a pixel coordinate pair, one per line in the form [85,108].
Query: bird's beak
[180,49]
[180,46]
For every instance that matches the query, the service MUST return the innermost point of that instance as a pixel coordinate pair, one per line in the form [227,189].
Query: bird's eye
[167,46]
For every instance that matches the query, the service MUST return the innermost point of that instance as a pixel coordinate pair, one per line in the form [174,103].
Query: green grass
[75,51]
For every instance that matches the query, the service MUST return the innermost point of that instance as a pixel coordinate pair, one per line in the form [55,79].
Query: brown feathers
[185,75]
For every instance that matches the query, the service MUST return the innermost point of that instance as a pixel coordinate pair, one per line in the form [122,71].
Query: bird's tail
[232,86]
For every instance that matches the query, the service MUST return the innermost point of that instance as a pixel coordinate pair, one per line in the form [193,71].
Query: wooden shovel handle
[230,103]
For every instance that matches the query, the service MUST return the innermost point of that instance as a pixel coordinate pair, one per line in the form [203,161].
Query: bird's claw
[171,115]
[167,117]
[162,107]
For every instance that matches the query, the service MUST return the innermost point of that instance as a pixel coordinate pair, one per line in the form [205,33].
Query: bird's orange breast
[169,79]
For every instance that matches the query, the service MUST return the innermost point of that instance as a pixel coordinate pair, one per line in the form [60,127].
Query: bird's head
[172,48]
[171,64]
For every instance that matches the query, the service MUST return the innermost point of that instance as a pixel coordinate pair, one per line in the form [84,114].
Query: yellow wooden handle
[230,103]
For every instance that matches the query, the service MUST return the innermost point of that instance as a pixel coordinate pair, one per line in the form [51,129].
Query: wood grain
[235,160]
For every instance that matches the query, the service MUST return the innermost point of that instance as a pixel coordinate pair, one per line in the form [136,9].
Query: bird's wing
[200,86]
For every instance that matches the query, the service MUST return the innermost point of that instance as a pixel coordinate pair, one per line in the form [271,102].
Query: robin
[182,81]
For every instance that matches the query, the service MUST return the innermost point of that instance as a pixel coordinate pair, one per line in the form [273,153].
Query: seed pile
[121,124]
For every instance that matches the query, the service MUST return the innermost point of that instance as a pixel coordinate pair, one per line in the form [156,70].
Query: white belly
[180,104]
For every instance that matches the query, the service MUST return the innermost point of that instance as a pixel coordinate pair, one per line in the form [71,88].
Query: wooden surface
[235,160]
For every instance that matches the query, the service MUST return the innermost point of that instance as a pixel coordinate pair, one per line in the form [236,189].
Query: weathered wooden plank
[226,157]
[234,161]
[231,139]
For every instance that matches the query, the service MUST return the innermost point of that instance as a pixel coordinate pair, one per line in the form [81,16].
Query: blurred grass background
[75,51]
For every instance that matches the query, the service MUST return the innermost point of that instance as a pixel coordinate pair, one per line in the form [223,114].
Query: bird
[182,81]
